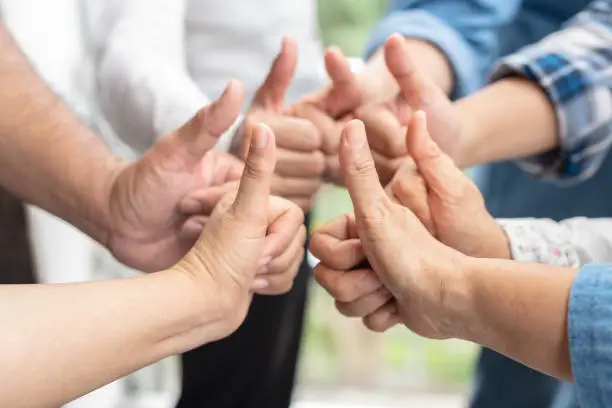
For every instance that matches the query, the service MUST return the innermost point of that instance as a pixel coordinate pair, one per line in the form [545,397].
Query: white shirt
[573,242]
[160,61]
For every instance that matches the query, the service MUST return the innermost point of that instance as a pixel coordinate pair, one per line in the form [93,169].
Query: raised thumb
[201,133]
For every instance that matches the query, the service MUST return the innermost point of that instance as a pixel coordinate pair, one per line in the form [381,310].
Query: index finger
[337,244]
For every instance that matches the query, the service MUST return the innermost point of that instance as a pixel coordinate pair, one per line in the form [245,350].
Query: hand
[386,122]
[228,256]
[145,227]
[450,204]
[199,204]
[414,267]
[330,108]
[300,163]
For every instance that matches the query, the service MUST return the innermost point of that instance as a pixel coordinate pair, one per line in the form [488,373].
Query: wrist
[208,314]
[100,214]
[470,136]
[458,297]
[194,318]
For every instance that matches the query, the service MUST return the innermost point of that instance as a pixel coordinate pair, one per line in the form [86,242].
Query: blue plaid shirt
[574,67]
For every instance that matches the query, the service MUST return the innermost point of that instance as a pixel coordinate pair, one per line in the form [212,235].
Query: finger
[295,187]
[440,173]
[193,227]
[403,68]
[365,305]
[346,94]
[347,286]
[251,201]
[295,164]
[283,227]
[201,133]
[337,244]
[294,133]
[281,283]
[227,168]
[359,171]
[387,167]
[385,133]
[329,128]
[281,263]
[272,92]
[333,174]
[384,318]
[409,189]
[204,201]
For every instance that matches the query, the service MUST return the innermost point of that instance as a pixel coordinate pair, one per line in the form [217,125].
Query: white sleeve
[572,242]
[143,84]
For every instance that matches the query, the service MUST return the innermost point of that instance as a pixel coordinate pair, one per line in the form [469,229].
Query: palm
[146,221]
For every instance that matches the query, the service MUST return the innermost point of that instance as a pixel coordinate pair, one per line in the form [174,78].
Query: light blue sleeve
[590,335]
[466,31]
[572,66]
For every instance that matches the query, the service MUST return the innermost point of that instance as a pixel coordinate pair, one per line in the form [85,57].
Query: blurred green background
[339,351]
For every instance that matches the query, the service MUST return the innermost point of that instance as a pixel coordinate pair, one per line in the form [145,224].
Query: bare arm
[97,332]
[94,333]
[47,157]
[509,119]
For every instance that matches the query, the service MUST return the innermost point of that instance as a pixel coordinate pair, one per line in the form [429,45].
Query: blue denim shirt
[473,34]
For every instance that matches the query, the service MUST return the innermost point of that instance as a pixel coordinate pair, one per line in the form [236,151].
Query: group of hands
[233,222]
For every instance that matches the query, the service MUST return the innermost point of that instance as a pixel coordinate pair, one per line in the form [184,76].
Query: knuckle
[373,323]
[255,168]
[363,166]
[344,290]
[313,134]
[347,309]
[374,216]
[318,163]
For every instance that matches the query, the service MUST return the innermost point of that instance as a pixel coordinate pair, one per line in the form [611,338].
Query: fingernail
[355,132]
[260,284]
[260,136]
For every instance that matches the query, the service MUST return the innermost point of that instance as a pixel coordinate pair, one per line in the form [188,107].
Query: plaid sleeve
[574,67]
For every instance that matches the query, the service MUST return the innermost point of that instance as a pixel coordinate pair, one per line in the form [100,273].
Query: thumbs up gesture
[299,161]
[228,262]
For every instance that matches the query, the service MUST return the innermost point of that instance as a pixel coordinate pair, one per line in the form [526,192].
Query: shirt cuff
[539,241]
[422,25]
[590,335]
[581,102]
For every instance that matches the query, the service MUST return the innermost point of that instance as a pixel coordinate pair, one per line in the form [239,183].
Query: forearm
[62,341]
[48,157]
[430,60]
[509,119]
[519,310]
